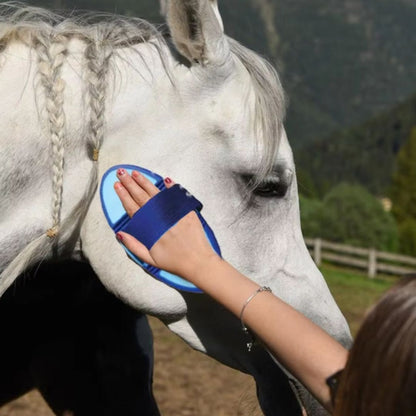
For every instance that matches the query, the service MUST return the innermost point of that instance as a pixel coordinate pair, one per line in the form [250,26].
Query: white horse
[80,96]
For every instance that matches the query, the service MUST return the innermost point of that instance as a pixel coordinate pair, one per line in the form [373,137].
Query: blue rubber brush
[152,220]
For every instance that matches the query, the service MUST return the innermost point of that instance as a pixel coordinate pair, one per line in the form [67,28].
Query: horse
[84,93]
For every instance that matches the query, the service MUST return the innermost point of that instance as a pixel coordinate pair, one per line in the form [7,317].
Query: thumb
[136,247]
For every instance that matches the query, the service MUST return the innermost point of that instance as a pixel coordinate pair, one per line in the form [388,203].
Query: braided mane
[48,34]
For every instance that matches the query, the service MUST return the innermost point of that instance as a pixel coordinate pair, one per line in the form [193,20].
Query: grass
[354,292]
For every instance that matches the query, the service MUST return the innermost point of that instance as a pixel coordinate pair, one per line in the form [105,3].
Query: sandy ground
[186,383]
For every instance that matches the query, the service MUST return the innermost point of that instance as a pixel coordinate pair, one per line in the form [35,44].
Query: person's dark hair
[380,375]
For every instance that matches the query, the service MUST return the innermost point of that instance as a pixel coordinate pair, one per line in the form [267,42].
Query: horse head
[211,118]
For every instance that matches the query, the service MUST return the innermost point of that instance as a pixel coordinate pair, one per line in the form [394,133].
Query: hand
[182,250]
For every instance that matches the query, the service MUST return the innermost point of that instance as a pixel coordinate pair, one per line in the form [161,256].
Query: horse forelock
[270,107]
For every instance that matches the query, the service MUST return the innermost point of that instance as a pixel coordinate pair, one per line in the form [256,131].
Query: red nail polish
[119,237]
[168,180]
[121,172]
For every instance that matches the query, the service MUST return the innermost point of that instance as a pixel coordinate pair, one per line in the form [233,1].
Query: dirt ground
[186,383]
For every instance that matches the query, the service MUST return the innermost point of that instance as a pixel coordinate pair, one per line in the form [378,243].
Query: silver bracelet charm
[249,299]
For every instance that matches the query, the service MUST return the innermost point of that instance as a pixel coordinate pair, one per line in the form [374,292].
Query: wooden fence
[363,258]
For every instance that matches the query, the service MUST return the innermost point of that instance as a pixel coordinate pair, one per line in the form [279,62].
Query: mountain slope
[365,154]
[344,61]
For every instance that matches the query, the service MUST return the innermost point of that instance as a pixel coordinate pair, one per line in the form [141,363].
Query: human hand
[182,250]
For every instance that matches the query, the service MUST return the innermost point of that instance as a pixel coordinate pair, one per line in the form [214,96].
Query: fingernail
[135,174]
[119,237]
[117,185]
[121,172]
[168,180]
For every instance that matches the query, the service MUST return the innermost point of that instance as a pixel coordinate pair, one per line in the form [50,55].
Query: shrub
[310,216]
[349,214]
[403,188]
[407,237]
[353,216]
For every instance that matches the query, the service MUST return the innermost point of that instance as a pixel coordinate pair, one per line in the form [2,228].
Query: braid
[51,54]
[97,57]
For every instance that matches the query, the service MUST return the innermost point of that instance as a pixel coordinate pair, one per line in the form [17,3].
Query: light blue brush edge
[116,217]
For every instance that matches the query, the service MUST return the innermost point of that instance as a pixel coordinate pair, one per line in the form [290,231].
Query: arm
[185,251]
[307,351]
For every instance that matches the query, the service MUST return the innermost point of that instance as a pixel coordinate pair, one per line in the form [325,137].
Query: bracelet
[249,299]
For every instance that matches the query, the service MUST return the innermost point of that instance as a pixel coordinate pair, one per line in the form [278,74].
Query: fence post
[317,251]
[372,263]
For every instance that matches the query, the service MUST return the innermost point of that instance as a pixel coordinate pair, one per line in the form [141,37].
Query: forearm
[307,351]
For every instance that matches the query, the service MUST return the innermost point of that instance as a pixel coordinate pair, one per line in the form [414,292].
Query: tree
[407,237]
[351,215]
[310,216]
[403,190]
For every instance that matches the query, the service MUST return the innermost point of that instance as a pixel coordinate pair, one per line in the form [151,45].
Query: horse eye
[270,188]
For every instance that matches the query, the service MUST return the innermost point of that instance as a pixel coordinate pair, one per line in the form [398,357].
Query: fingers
[129,204]
[144,183]
[136,191]
[135,247]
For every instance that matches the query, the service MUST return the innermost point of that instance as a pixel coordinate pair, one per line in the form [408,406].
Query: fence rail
[363,258]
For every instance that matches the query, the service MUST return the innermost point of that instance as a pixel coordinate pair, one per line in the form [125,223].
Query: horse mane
[48,34]
[26,23]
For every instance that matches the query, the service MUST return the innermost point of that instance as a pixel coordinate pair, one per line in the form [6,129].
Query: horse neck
[60,124]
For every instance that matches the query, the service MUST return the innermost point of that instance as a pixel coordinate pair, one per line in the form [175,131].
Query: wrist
[203,267]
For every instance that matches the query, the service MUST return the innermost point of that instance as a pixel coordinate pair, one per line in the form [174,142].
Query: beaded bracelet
[245,329]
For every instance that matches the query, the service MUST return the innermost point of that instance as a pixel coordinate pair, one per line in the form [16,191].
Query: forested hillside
[364,154]
[344,61]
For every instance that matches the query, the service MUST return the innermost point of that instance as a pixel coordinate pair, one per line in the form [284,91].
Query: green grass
[354,292]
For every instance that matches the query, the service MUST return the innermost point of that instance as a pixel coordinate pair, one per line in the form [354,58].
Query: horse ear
[197,30]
